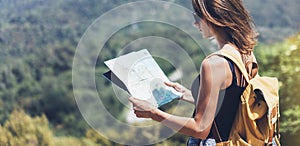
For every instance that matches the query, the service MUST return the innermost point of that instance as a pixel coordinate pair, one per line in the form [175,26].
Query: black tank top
[228,102]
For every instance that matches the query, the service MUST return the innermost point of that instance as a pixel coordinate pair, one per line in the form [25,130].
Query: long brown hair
[229,17]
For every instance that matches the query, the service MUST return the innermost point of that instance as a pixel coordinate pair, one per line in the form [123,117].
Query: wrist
[154,113]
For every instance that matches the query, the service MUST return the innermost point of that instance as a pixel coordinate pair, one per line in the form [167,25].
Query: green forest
[38,41]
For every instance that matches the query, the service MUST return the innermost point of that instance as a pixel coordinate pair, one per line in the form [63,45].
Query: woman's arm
[214,74]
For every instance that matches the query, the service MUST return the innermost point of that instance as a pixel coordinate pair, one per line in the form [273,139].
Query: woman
[230,24]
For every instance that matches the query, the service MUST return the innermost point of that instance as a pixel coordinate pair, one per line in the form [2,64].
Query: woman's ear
[212,27]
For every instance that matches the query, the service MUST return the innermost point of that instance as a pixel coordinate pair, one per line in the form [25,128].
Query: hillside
[38,39]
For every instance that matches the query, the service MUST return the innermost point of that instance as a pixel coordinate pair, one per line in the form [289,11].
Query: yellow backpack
[257,119]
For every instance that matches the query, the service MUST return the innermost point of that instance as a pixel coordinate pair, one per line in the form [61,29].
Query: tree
[282,61]
[21,129]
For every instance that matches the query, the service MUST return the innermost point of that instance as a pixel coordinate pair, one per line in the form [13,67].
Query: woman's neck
[221,43]
[222,40]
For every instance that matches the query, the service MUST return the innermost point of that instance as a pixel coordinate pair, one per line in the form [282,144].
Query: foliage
[95,137]
[38,41]
[21,129]
[282,60]
[289,75]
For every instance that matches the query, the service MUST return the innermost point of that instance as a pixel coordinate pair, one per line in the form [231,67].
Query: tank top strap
[231,65]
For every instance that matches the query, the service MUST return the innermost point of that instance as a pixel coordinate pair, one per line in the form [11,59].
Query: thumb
[131,99]
[168,83]
[176,86]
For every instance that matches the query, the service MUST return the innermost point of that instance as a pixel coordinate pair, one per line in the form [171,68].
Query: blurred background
[38,39]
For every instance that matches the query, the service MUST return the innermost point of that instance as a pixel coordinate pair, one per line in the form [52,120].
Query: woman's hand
[187,95]
[142,108]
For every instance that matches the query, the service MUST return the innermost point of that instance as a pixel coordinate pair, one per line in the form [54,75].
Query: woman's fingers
[140,108]
[138,113]
[171,84]
[168,83]
[138,104]
[134,102]
[136,108]
[176,86]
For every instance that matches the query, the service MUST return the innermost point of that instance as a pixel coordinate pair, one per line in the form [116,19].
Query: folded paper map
[140,75]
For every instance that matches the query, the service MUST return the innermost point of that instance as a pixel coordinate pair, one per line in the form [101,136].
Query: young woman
[230,24]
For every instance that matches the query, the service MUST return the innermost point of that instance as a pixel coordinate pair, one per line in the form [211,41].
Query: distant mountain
[35,23]
[275,13]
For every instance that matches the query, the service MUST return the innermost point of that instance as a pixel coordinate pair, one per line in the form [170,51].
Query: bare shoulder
[216,69]
[214,63]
